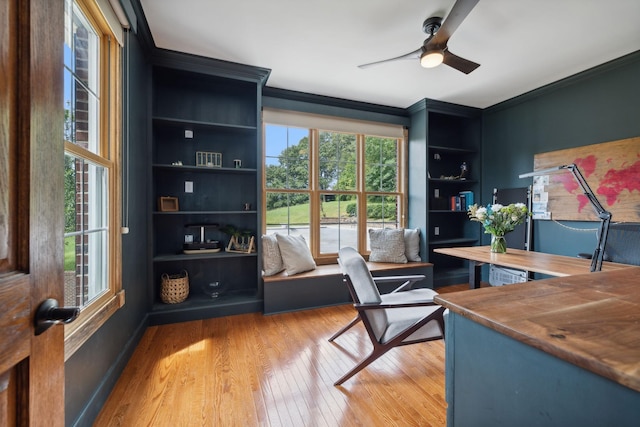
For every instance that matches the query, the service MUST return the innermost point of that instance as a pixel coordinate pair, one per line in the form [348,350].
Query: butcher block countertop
[538,262]
[590,320]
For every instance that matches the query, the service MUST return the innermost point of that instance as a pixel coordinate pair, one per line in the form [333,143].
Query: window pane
[81,77]
[382,212]
[381,164]
[338,222]
[337,162]
[86,236]
[286,157]
[288,213]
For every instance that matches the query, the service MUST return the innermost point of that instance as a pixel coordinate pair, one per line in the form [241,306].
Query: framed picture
[168,204]
[209,159]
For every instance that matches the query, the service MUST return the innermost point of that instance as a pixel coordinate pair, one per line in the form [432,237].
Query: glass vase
[498,244]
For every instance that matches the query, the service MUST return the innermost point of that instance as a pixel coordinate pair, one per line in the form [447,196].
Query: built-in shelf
[452,181]
[189,168]
[190,257]
[200,124]
[196,299]
[204,213]
[453,143]
[456,241]
[451,149]
[200,111]
[200,306]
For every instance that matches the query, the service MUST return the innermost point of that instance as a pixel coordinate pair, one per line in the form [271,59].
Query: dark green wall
[92,371]
[599,105]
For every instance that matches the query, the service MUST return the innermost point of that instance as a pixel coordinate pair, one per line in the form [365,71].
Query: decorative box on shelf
[209,159]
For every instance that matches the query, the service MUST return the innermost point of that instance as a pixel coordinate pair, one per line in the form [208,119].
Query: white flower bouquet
[498,220]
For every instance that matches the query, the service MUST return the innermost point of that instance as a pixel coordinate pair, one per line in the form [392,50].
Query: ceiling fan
[434,51]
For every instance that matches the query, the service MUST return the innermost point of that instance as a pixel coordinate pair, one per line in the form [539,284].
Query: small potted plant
[240,240]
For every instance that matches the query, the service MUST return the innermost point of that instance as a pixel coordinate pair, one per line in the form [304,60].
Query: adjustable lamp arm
[603,214]
[588,192]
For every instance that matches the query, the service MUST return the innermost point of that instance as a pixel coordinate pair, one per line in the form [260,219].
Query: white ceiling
[316,46]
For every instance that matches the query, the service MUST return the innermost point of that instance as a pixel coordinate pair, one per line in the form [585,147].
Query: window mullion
[403,177]
[314,196]
[360,188]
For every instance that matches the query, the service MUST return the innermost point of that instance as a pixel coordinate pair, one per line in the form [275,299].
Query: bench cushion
[324,287]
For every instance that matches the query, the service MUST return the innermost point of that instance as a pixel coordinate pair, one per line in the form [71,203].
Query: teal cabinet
[205,159]
[493,380]
[444,161]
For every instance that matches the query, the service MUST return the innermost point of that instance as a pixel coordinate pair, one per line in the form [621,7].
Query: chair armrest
[386,279]
[408,281]
[421,303]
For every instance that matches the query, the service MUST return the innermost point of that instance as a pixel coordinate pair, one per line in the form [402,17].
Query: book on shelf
[468,197]
[461,201]
[454,203]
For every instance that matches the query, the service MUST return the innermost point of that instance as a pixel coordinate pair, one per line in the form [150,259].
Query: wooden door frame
[40,30]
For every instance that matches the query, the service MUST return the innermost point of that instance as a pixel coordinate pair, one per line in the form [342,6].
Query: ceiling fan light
[431,59]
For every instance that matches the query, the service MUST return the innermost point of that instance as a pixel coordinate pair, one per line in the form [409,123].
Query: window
[91,170]
[331,186]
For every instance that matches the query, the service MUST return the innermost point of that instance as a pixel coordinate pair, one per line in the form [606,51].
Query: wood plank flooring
[278,370]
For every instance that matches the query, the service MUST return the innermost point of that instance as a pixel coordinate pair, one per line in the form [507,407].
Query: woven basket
[174,288]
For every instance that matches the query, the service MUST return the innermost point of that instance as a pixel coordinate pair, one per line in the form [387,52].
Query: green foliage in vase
[497,219]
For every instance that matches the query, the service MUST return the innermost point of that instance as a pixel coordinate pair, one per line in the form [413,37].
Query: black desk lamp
[603,214]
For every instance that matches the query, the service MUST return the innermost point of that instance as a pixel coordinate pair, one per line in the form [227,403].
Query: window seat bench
[323,286]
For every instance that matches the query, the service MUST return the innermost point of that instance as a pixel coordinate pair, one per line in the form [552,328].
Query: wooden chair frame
[407,284]
[379,347]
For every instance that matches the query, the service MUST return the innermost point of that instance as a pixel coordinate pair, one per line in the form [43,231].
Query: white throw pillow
[296,255]
[387,245]
[271,258]
[412,244]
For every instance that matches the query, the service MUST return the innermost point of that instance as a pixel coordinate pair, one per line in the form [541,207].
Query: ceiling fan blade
[411,55]
[460,64]
[458,13]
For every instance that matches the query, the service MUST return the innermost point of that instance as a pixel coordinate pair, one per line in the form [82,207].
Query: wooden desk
[537,262]
[559,351]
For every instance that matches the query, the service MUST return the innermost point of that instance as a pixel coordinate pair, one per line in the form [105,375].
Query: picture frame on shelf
[208,159]
[168,204]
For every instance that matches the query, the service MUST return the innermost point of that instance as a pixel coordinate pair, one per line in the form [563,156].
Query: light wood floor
[278,370]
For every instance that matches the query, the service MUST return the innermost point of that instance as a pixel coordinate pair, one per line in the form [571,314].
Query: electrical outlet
[436,193]
[188,186]
[436,231]
[188,134]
